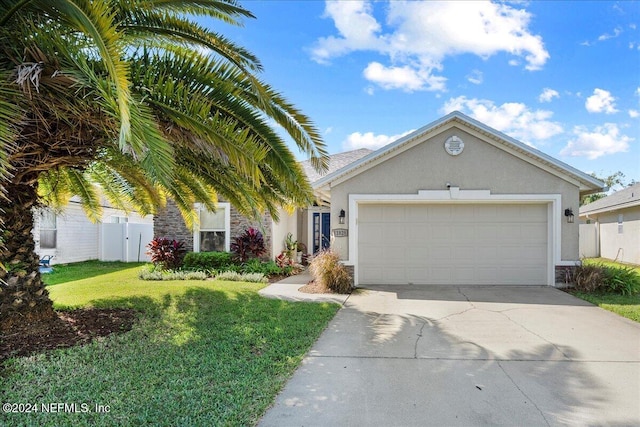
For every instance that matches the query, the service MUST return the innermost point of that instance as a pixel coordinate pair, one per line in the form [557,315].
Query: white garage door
[484,244]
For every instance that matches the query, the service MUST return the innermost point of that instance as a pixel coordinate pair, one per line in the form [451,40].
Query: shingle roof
[336,161]
[625,198]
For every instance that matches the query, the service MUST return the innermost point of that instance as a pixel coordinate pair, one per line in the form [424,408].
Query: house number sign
[454,145]
[340,232]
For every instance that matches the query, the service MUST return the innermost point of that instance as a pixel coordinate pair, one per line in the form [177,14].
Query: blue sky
[563,77]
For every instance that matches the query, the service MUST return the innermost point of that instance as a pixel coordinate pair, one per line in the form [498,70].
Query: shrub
[606,279]
[587,278]
[242,277]
[166,254]
[207,260]
[268,268]
[327,270]
[622,280]
[154,274]
[288,265]
[248,244]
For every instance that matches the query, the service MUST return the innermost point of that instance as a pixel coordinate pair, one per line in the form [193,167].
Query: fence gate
[125,242]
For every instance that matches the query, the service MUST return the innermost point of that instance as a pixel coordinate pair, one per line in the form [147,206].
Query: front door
[321,231]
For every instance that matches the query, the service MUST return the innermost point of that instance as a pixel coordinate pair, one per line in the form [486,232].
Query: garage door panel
[415,214]
[440,232]
[394,233]
[452,244]
[393,213]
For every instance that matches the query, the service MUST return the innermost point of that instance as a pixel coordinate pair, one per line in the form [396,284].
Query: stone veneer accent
[563,273]
[239,223]
[351,269]
[169,223]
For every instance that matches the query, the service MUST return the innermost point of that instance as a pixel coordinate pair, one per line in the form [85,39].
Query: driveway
[436,355]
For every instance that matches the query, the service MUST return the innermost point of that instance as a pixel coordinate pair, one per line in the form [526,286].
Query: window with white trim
[213,233]
[48,229]
[620,219]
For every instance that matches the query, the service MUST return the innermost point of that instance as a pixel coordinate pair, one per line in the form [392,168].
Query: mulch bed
[68,329]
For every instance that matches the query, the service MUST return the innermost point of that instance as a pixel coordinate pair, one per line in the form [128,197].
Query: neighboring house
[611,226]
[455,202]
[69,236]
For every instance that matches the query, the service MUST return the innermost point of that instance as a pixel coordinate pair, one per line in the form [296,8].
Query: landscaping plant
[599,278]
[249,244]
[166,254]
[207,261]
[328,271]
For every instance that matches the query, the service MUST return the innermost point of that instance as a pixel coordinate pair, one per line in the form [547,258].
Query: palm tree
[134,97]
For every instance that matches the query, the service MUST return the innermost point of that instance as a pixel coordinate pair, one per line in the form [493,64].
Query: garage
[453,243]
[456,203]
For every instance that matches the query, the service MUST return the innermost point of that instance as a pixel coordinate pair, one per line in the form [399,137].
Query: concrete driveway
[436,355]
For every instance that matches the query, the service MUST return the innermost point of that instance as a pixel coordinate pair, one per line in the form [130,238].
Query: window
[213,233]
[48,229]
[620,218]
[116,219]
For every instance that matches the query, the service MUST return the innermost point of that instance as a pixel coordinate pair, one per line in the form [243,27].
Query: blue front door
[321,231]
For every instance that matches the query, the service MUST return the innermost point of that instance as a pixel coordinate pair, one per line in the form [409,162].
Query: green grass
[63,273]
[625,305]
[203,353]
[610,263]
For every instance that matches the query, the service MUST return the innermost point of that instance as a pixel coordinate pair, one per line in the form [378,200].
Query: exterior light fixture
[341,216]
[569,214]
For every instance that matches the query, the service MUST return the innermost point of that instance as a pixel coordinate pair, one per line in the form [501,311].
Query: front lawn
[203,353]
[63,273]
[625,305]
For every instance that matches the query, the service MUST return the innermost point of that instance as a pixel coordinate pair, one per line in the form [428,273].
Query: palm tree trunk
[23,297]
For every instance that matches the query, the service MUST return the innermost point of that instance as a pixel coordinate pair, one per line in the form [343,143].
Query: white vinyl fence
[125,242]
[588,241]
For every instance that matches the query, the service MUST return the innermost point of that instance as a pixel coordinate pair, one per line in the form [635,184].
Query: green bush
[153,273]
[268,268]
[622,280]
[327,270]
[207,260]
[242,277]
[599,278]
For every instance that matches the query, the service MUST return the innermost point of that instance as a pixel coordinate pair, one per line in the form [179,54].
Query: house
[69,236]
[310,226]
[455,202]
[611,226]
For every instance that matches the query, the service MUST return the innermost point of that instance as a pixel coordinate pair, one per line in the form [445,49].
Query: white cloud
[328,130]
[514,119]
[601,102]
[548,94]
[405,78]
[370,140]
[602,140]
[634,114]
[475,77]
[418,36]
[606,36]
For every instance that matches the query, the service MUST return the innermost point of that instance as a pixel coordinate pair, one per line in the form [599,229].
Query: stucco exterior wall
[622,245]
[481,166]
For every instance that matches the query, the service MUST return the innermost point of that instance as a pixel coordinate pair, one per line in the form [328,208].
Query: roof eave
[587,183]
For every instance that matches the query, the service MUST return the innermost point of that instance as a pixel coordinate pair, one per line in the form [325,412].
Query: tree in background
[615,179]
[134,98]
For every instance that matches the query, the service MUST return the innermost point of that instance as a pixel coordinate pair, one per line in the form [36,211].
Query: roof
[587,183]
[626,198]
[336,162]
